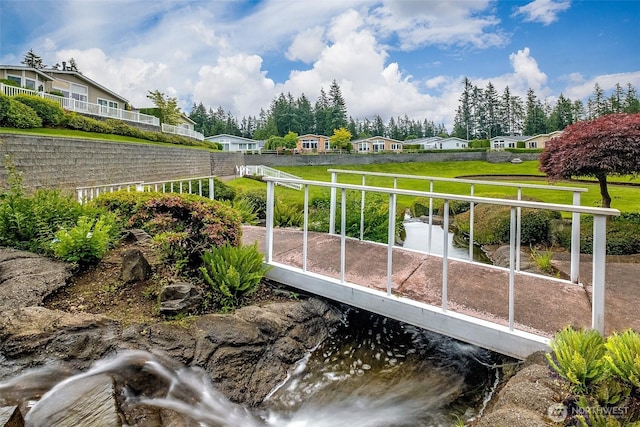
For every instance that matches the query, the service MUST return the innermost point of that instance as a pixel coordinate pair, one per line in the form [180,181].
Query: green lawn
[78,134]
[624,198]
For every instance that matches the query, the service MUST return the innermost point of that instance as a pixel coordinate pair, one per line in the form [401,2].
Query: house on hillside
[235,143]
[506,141]
[313,143]
[376,144]
[73,90]
[439,143]
[539,141]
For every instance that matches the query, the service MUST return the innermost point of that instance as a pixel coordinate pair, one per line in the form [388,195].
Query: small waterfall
[372,372]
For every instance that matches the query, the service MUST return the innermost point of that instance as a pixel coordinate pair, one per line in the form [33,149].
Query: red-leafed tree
[608,145]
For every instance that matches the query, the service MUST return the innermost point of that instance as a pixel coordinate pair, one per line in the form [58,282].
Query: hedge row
[31,111]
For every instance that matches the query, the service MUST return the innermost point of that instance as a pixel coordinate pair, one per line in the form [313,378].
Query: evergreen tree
[322,114]
[562,114]
[462,122]
[378,128]
[31,59]
[479,118]
[304,113]
[631,103]
[535,119]
[492,108]
[337,110]
[199,116]
[598,104]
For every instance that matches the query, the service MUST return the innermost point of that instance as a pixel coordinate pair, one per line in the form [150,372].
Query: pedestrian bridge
[502,309]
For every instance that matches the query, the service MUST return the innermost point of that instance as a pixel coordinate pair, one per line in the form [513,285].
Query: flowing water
[372,372]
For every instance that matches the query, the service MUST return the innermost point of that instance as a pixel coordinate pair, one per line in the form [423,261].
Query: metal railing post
[212,190]
[269,222]
[305,228]
[391,240]
[512,262]
[518,230]
[430,218]
[332,205]
[575,240]
[598,274]
[343,232]
[445,256]
[362,211]
[471,220]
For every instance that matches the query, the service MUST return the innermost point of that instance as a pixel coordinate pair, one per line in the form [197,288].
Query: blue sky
[389,57]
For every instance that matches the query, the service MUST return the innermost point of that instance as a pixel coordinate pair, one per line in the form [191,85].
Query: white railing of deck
[599,236]
[575,217]
[181,185]
[261,170]
[179,130]
[84,107]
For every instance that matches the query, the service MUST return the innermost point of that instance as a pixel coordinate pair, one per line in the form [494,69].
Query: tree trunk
[604,192]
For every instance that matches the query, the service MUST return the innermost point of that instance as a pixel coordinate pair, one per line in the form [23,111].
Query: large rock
[135,267]
[27,279]
[180,297]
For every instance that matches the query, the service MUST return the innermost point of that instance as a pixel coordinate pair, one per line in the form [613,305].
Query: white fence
[178,130]
[260,170]
[203,186]
[85,107]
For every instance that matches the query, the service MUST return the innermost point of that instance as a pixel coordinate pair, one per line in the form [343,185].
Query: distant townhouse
[313,143]
[376,144]
[539,141]
[506,141]
[235,143]
[439,143]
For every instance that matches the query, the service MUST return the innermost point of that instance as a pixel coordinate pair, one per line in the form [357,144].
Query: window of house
[396,146]
[533,144]
[327,145]
[30,84]
[363,146]
[79,92]
[512,144]
[107,103]
[16,79]
[310,144]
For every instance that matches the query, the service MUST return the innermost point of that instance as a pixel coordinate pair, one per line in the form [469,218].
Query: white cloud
[307,45]
[439,22]
[543,11]
[237,83]
[584,89]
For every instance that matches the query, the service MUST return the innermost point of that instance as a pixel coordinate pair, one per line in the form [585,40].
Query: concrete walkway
[541,306]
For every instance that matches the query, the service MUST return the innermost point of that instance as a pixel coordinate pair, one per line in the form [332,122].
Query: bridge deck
[542,306]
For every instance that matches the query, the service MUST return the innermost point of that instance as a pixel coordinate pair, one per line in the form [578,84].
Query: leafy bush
[49,111]
[285,215]
[623,234]
[258,199]
[87,124]
[376,216]
[233,272]
[183,225]
[578,357]
[19,115]
[493,223]
[4,107]
[85,243]
[623,356]
[246,210]
[30,222]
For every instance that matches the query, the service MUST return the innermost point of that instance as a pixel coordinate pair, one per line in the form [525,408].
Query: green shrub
[183,225]
[258,199]
[623,356]
[577,355]
[4,107]
[246,210]
[49,111]
[87,124]
[493,223]
[119,127]
[19,115]
[232,272]
[623,234]
[85,243]
[286,215]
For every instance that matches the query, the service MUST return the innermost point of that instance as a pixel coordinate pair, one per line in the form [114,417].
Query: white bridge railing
[575,217]
[203,186]
[599,235]
[260,170]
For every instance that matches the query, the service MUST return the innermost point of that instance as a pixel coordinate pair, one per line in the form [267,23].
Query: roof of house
[215,138]
[40,72]
[512,137]
[86,79]
[312,134]
[375,138]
